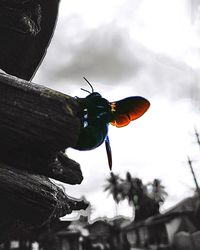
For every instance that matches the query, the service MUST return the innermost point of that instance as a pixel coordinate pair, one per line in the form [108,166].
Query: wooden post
[36,125]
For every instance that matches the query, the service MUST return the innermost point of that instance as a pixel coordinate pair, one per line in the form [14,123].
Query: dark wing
[109,153]
[128,109]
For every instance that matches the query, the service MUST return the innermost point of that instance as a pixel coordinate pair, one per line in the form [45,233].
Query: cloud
[102,54]
[165,76]
[109,55]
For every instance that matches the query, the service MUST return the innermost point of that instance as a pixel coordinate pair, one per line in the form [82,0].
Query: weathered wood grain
[31,200]
[36,123]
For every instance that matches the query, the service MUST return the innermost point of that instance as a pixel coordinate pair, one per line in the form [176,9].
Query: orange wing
[128,109]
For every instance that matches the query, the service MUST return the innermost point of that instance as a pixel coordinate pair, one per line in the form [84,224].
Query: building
[176,228]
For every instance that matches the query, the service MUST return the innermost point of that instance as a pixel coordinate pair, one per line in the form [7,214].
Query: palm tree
[156,191]
[135,192]
[145,203]
[145,199]
[114,188]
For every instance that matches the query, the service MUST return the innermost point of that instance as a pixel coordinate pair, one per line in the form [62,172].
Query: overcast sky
[126,48]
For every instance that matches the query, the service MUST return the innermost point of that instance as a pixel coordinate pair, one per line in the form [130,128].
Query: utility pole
[194,177]
[197,136]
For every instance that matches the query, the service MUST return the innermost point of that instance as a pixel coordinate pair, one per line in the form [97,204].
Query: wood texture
[36,123]
[31,201]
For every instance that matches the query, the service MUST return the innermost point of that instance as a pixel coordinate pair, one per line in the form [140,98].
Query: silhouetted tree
[156,191]
[145,199]
[114,187]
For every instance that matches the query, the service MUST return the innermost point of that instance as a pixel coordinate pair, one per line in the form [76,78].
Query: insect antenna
[86,90]
[89,85]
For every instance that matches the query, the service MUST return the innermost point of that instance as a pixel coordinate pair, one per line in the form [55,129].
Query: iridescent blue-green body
[95,115]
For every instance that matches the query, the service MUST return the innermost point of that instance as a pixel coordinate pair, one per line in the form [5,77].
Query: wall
[172,227]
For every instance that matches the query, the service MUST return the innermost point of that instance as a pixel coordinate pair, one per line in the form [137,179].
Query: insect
[96,113]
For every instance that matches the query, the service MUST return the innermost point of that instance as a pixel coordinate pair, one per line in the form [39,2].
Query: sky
[129,48]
